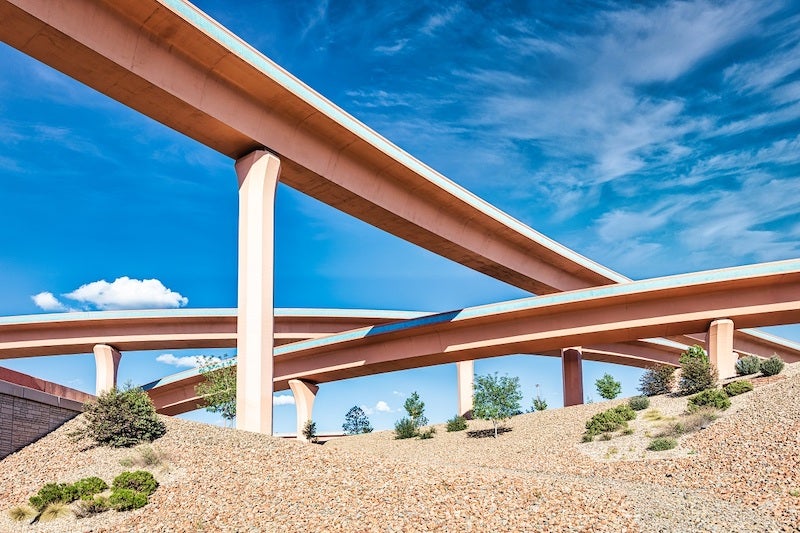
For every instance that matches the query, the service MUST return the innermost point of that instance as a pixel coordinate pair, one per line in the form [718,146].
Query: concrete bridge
[171,62]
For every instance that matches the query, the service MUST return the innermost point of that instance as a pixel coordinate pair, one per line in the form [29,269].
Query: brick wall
[27,415]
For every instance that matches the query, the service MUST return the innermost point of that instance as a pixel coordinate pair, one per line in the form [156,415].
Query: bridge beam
[465,374]
[572,373]
[106,360]
[720,347]
[304,393]
[258,174]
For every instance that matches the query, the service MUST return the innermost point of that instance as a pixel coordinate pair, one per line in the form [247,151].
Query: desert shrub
[140,481]
[127,499]
[697,373]
[772,366]
[54,511]
[428,433]
[606,436]
[92,506]
[639,403]
[734,388]
[405,428]
[20,513]
[609,420]
[310,431]
[748,365]
[657,380]
[662,443]
[53,493]
[121,418]
[89,486]
[711,397]
[457,423]
[539,404]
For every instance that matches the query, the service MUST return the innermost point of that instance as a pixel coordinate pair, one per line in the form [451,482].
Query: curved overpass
[759,295]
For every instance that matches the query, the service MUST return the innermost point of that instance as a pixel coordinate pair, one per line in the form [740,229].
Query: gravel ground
[739,474]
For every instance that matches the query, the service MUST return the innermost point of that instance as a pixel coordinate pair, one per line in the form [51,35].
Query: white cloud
[380,407]
[283,399]
[188,361]
[127,293]
[48,302]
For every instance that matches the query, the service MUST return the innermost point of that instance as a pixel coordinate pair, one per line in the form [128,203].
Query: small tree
[657,380]
[356,422]
[539,403]
[697,373]
[608,387]
[496,398]
[310,431]
[416,410]
[218,389]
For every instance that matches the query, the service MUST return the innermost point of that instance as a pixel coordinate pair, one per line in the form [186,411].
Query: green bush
[92,506]
[427,434]
[772,366]
[711,397]
[697,373]
[639,403]
[457,423]
[121,418]
[405,428]
[662,443]
[89,486]
[657,380]
[734,388]
[53,493]
[140,481]
[748,365]
[127,499]
[609,420]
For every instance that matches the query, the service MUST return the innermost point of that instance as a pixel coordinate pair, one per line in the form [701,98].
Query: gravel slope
[738,474]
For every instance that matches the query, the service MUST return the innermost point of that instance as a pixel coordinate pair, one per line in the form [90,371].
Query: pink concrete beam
[304,393]
[720,348]
[572,375]
[258,175]
[465,374]
[106,360]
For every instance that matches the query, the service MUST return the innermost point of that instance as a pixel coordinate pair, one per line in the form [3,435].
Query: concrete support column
[465,374]
[258,174]
[304,393]
[719,345]
[572,373]
[106,362]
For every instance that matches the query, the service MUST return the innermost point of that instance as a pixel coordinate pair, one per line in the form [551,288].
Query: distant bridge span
[758,295]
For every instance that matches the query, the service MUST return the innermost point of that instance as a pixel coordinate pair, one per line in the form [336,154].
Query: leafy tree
[496,398]
[697,373]
[608,387]
[416,410]
[218,390]
[657,380]
[356,422]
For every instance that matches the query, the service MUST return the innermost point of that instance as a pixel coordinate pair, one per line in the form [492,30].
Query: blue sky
[653,137]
